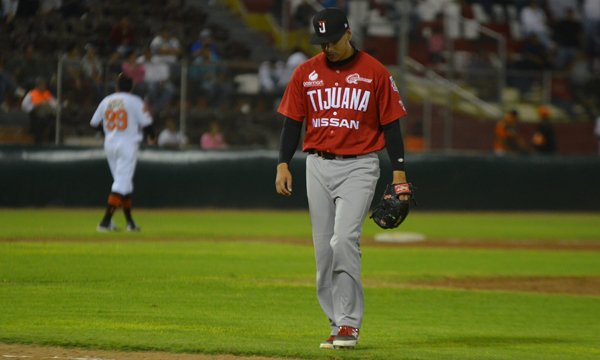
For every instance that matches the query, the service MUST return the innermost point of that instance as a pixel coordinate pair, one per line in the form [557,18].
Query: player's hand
[151,141]
[399,177]
[283,181]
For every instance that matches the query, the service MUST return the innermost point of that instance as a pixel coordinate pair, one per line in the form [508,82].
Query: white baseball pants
[122,158]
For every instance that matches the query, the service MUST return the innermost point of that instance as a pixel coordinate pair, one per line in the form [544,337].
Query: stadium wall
[68,177]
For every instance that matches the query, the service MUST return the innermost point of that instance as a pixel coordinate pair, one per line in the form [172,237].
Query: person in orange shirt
[41,107]
[508,137]
[543,138]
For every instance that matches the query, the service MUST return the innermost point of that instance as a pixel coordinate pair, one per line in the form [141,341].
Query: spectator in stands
[205,38]
[213,139]
[92,73]
[9,10]
[114,66]
[568,37]
[579,74]
[209,75]
[558,9]
[534,57]
[296,58]
[543,138]
[561,95]
[269,73]
[509,139]
[158,86]
[165,48]
[591,24]
[6,86]
[171,137]
[41,107]
[122,36]
[135,71]
[436,44]
[49,6]
[29,67]
[535,22]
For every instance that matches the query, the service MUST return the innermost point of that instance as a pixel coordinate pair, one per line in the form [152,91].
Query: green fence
[35,177]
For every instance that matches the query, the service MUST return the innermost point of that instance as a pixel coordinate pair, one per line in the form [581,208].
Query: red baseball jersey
[344,107]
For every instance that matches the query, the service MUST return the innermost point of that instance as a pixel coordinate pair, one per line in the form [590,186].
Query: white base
[399,237]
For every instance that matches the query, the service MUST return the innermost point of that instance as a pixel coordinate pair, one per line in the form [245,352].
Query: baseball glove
[391,211]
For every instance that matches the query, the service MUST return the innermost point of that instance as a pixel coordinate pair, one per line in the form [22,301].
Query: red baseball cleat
[347,337]
[328,344]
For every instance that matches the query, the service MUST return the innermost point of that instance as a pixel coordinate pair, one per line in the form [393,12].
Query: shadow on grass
[485,341]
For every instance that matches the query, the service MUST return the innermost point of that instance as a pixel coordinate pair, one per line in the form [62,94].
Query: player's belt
[329,156]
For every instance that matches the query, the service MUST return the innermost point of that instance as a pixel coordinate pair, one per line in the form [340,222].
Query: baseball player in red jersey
[352,109]
[122,117]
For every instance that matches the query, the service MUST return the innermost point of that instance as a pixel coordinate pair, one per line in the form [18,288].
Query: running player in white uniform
[352,109]
[123,118]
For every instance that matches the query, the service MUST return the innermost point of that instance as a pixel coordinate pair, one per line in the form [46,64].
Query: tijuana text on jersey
[344,107]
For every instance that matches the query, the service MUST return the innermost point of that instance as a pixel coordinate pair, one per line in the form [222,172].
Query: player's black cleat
[132,226]
[327,344]
[347,337]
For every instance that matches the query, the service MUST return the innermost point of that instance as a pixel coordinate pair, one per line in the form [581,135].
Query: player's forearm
[290,136]
[394,145]
[399,177]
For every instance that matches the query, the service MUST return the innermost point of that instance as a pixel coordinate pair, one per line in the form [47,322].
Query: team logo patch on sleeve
[394,84]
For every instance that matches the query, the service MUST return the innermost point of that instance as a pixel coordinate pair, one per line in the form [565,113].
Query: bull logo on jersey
[355,78]
[322,27]
[313,76]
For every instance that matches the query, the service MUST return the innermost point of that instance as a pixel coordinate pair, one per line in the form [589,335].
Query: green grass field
[199,292]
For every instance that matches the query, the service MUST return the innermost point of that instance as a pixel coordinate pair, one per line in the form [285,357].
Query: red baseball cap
[330,25]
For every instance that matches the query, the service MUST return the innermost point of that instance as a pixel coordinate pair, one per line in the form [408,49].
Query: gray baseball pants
[339,196]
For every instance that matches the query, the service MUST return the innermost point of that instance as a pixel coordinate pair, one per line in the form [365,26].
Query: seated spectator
[6,86]
[72,79]
[568,37]
[41,107]
[535,22]
[557,9]
[591,24]
[534,56]
[269,73]
[135,71]
[206,71]
[509,139]
[49,6]
[166,49]
[171,137]
[205,38]
[29,67]
[436,44]
[213,139]
[122,36]
[296,58]
[158,87]
[92,74]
